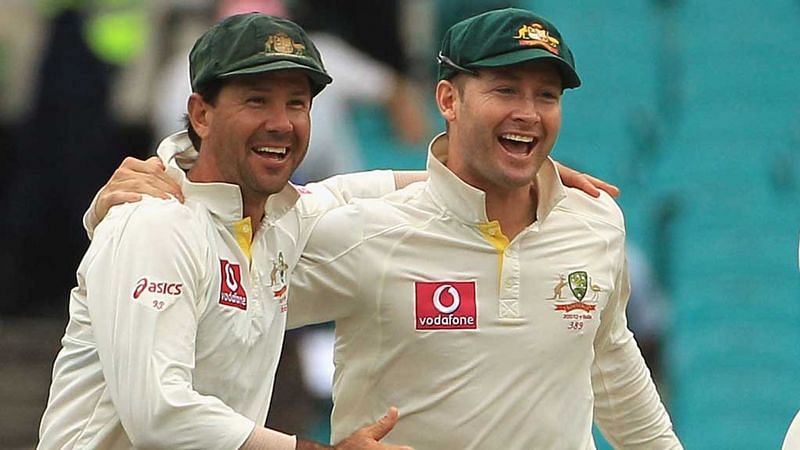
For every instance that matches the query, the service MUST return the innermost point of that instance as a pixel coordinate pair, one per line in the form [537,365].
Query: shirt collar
[469,203]
[222,199]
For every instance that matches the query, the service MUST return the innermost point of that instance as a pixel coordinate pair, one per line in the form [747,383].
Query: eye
[505,90]
[298,103]
[550,94]
[256,100]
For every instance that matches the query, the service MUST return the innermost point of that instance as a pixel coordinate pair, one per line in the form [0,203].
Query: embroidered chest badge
[231,291]
[576,307]
[277,280]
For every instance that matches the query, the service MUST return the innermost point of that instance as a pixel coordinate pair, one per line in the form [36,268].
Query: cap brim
[319,79]
[569,76]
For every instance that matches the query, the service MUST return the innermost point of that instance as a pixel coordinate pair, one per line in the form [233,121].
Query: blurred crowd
[85,83]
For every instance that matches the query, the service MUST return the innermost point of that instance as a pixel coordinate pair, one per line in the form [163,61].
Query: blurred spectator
[22,34]
[357,78]
[183,24]
[648,314]
[64,152]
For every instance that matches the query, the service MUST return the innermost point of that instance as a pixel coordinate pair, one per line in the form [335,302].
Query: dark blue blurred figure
[63,153]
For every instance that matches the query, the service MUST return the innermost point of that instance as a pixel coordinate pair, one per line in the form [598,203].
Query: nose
[277,120]
[527,111]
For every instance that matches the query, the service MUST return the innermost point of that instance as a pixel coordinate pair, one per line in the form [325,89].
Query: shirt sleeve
[341,189]
[628,409]
[325,282]
[144,293]
[89,218]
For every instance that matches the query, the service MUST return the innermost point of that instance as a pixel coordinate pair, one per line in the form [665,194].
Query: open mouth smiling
[278,153]
[518,144]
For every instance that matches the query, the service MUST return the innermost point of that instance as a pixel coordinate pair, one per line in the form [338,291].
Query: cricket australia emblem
[283,44]
[277,281]
[575,306]
[536,35]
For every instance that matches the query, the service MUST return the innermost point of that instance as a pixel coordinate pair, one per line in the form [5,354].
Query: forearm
[267,439]
[628,407]
[149,380]
[403,178]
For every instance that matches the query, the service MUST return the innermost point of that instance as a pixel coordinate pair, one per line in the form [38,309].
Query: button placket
[509,285]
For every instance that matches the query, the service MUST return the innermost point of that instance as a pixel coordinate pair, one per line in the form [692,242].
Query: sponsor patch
[156,287]
[231,291]
[445,305]
[154,292]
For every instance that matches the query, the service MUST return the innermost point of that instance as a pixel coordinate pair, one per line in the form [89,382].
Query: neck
[254,209]
[253,204]
[513,210]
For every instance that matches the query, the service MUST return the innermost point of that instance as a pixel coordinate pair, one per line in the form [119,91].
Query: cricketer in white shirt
[482,343]
[177,322]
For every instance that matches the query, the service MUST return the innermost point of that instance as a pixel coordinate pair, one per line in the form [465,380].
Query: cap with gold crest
[504,37]
[254,43]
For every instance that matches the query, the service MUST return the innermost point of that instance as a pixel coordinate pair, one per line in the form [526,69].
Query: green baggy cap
[504,37]
[254,43]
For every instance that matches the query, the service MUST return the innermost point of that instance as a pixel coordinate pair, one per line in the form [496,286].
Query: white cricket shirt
[480,342]
[177,322]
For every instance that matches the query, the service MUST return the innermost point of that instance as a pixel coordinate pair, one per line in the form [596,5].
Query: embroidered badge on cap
[284,44]
[536,35]
[445,305]
[231,291]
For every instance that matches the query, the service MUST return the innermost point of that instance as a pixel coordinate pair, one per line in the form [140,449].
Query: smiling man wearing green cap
[177,322]
[487,303]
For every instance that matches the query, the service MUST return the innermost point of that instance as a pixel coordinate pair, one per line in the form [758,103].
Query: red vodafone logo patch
[445,305]
[231,291]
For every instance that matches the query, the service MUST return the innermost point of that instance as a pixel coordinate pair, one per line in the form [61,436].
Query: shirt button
[509,283]
[492,232]
[246,228]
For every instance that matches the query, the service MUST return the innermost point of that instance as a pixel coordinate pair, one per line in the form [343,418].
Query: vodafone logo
[231,291]
[445,305]
[156,287]
[231,277]
[452,292]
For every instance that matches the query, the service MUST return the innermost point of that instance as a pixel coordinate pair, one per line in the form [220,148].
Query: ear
[446,95]
[199,114]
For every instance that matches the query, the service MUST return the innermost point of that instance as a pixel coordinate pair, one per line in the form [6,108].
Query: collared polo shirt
[482,342]
[177,322]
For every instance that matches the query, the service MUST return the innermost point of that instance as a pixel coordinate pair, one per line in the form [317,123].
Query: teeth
[278,150]
[517,137]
